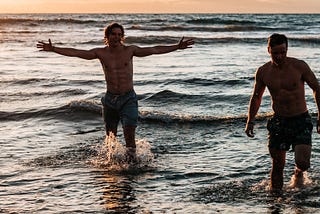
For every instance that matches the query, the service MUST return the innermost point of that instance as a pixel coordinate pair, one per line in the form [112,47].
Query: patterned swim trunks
[122,108]
[287,131]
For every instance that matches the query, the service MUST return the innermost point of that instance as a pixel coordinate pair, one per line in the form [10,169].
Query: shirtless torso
[286,86]
[118,68]
[285,78]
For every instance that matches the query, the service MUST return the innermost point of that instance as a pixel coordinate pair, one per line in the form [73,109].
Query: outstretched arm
[72,52]
[162,49]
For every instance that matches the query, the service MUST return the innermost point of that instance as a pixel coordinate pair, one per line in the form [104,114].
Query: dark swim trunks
[287,131]
[122,108]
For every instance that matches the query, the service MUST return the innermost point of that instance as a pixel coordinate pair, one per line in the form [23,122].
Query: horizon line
[315,13]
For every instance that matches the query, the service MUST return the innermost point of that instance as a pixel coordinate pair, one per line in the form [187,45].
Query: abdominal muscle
[289,104]
[119,82]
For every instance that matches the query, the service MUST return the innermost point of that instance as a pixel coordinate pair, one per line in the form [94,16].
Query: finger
[189,42]
[250,134]
[181,40]
[39,45]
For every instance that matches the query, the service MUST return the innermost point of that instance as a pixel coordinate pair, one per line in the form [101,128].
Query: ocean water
[194,156]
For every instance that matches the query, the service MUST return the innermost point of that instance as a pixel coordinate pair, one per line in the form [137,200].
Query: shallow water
[213,171]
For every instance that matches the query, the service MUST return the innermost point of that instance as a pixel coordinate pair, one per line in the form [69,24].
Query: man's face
[278,54]
[115,37]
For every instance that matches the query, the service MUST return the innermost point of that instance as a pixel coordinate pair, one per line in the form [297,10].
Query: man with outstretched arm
[120,101]
[290,125]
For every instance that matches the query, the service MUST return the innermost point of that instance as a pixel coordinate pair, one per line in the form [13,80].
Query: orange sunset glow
[159,6]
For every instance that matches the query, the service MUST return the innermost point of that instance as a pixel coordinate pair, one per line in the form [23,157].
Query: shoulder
[131,47]
[99,50]
[265,66]
[263,69]
[298,63]
[135,50]
[295,61]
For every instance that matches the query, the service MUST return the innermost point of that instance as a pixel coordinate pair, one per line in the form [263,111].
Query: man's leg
[111,131]
[111,119]
[129,136]
[129,118]
[302,154]
[278,163]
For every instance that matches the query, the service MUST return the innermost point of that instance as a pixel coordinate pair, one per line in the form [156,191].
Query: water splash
[252,192]
[112,155]
[262,186]
[299,182]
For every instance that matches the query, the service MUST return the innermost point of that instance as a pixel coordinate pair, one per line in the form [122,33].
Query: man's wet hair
[277,39]
[108,30]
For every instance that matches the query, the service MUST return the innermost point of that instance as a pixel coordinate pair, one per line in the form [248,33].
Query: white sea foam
[112,155]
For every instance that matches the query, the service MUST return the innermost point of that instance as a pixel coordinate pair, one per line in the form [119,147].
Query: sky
[159,6]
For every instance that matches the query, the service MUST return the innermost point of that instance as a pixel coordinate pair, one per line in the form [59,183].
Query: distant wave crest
[79,109]
[35,21]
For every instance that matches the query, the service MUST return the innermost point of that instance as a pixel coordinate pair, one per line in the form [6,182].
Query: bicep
[310,78]
[88,54]
[142,52]
[259,86]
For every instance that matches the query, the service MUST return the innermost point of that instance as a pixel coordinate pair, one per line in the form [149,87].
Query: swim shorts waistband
[293,117]
[125,93]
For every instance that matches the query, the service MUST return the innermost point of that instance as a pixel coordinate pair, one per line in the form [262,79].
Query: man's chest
[117,61]
[288,80]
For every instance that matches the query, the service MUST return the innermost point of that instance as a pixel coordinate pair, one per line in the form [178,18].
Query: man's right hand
[249,129]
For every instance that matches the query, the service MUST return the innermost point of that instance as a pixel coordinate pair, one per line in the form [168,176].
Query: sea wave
[84,109]
[208,82]
[197,25]
[152,39]
[38,21]
[75,108]
[227,28]
[168,97]
[178,101]
[49,82]
[162,117]
[223,21]
[20,96]
[306,40]
[199,40]
[198,82]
